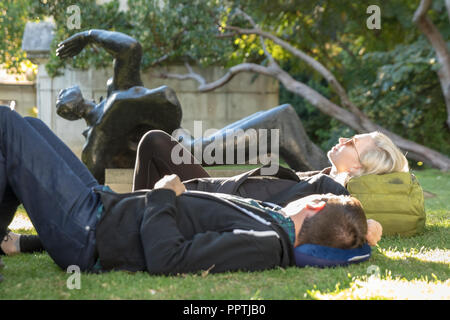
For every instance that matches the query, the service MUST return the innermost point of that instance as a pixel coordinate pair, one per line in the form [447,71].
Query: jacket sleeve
[168,252]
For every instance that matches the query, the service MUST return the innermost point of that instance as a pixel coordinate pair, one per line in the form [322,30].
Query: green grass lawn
[400,268]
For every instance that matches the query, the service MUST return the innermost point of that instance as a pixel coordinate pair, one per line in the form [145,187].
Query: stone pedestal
[121,180]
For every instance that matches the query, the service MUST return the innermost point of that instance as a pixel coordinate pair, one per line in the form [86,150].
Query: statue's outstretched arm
[295,147]
[127,53]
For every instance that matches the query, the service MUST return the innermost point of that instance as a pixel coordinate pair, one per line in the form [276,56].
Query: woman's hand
[374,232]
[171,182]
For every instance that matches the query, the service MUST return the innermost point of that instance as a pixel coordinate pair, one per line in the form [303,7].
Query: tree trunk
[440,47]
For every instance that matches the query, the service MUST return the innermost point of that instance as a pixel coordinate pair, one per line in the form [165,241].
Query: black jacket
[283,187]
[164,234]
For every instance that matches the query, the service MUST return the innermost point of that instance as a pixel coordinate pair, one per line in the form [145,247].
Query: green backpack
[395,200]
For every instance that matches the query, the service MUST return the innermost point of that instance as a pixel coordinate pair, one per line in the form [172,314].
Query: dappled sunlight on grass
[423,254]
[398,289]
[21,222]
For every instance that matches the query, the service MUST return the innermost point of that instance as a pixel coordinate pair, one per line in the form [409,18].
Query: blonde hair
[384,157]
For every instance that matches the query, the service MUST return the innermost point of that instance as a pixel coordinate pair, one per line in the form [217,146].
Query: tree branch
[188,76]
[316,65]
[416,151]
[440,47]
[160,60]
[422,10]
[226,35]
[205,87]
[447,4]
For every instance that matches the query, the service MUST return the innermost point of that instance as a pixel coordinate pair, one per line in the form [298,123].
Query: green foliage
[404,94]
[14,14]
[93,16]
[180,30]
[171,31]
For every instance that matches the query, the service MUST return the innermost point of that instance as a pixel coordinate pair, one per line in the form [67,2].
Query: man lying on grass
[167,230]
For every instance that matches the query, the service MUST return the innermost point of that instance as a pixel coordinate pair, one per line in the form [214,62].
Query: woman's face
[345,156]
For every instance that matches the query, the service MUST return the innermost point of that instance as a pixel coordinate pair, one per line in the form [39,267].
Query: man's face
[345,155]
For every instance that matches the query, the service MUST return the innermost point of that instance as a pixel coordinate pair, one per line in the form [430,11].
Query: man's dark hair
[340,224]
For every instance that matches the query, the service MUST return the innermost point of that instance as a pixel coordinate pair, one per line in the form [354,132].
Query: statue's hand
[73,45]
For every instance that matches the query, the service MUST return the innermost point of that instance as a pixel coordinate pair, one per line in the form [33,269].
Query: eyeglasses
[352,141]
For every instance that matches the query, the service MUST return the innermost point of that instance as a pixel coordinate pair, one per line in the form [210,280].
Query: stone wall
[24,94]
[243,95]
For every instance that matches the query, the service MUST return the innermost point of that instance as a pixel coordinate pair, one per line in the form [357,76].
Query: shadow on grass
[414,257]
[434,236]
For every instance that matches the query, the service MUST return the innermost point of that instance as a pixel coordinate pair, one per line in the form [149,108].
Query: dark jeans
[38,170]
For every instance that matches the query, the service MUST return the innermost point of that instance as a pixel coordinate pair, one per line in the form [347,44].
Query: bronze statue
[117,123]
[294,145]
